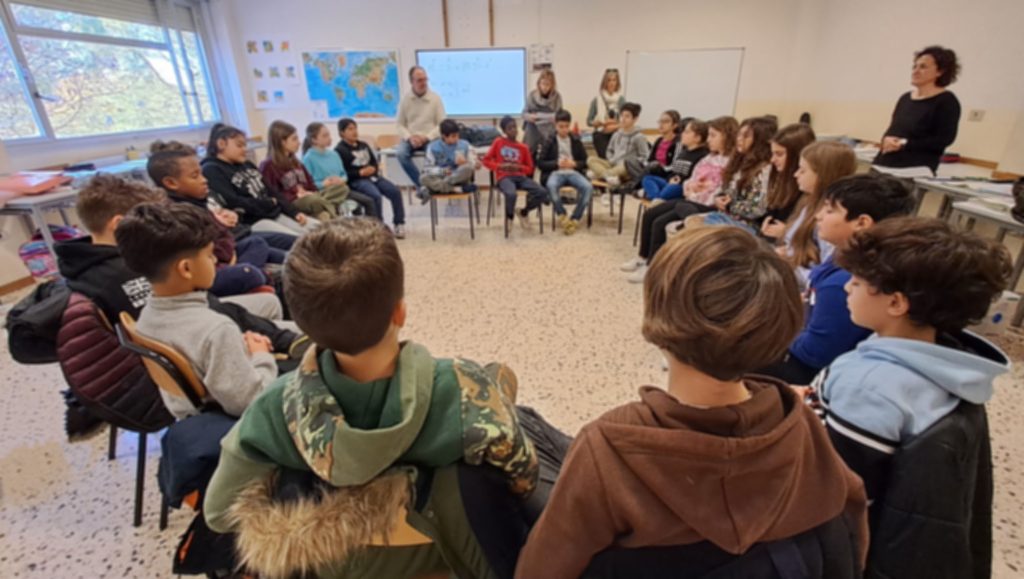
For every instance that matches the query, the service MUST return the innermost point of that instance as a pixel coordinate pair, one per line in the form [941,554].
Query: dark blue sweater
[828,332]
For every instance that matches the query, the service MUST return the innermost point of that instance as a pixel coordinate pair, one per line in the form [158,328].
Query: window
[89,68]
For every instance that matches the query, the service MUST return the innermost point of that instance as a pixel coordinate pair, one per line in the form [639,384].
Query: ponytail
[218,132]
[312,130]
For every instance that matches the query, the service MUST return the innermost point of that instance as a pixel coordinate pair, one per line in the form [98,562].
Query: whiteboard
[700,83]
[485,82]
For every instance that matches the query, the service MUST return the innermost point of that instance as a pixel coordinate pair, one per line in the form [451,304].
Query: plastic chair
[470,198]
[492,205]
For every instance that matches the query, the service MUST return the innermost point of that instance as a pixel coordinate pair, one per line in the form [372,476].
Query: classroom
[511,289]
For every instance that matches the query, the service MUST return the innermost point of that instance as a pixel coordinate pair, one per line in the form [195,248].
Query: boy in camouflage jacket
[368,415]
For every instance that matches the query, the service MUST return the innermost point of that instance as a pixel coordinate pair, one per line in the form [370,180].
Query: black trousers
[652,229]
[601,140]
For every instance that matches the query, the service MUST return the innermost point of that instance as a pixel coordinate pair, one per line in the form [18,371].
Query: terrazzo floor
[556,309]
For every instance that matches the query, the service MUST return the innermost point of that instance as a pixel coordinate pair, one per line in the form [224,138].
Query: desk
[951,191]
[973,210]
[33,208]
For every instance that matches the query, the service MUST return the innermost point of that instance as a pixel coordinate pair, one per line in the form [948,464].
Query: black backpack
[33,323]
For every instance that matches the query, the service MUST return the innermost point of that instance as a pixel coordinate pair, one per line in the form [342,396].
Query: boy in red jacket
[513,167]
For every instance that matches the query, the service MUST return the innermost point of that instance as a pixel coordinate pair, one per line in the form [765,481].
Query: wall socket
[976,115]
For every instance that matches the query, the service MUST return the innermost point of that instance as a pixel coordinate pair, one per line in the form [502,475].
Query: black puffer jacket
[935,519]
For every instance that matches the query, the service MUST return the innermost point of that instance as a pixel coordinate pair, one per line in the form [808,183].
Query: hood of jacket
[964,364]
[738,475]
[76,256]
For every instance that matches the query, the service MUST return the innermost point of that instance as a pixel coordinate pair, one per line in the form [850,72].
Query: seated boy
[450,163]
[175,168]
[512,164]
[172,246]
[851,204]
[562,162]
[722,460]
[917,283]
[362,414]
[627,144]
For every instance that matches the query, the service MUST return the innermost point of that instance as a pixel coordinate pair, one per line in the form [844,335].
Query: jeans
[535,194]
[658,188]
[232,280]
[377,189]
[404,151]
[446,183]
[578,182]
[719,218]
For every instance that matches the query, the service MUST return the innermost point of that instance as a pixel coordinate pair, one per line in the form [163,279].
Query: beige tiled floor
[555,308]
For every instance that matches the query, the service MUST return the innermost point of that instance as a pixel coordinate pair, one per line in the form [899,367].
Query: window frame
[188,92]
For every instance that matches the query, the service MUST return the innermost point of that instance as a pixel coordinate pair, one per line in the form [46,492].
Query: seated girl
[288,178]
[664,149]
[783,193]
[328,172]
[236,184]
[820,165]
[691,151]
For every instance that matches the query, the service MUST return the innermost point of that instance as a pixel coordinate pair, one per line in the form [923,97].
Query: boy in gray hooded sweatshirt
[893,406]
[627,143]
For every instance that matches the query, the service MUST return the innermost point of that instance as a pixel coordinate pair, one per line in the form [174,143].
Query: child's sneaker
[469,187]
[657,201]
[570,227]
[633,264]
[563,220]
[423,194]
[612,181]
[606,199]
[399,232]
[524,218]
[638,275]
[591,175]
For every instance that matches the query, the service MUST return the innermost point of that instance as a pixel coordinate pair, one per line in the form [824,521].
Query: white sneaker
[606,199]
[633,264]
[591,175]
[399,232]
[612,180]
[638,275]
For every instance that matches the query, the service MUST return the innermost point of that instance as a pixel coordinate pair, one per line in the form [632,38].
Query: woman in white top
[603,116]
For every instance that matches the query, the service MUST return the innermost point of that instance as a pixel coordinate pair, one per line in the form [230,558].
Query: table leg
[40,221]
[1018,267]
[1001,234]
[946,207]
[64,216]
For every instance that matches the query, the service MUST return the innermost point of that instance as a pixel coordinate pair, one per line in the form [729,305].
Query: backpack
[33,323]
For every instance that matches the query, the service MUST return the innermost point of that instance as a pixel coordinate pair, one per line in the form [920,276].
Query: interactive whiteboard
[698,83]
[486,82]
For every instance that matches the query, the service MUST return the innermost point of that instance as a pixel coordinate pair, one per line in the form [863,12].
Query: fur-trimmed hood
[280,538]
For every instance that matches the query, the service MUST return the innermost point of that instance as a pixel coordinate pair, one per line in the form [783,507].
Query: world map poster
[354,83]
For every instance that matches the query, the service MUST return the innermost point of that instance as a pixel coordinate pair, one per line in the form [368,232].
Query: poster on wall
[360,84]
[273,72]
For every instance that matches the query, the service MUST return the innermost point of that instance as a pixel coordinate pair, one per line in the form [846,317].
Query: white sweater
[420,115]
[213,344]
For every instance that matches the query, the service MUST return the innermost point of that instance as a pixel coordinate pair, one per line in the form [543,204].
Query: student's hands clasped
[772,227]
[417,141]
[300,218]
[257,343]
[334,180]
[367,171]
[508,167]
[564,163]
[675,180]
[226,217]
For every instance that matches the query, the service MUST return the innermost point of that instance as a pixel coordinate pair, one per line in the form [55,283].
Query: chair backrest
[168,368]
[387,141]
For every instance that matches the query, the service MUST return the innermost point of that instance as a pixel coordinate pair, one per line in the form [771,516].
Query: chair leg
[140,479]
[590,212]
[611,202]
[433,219]
[112,447]
[164,511]
[472,204]
[636,228]
[476,204]
[622,210]
[540,217]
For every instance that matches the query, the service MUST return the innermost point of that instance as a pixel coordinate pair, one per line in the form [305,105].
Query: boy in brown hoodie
[724,470]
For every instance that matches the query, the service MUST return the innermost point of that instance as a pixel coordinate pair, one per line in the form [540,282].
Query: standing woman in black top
[925,120]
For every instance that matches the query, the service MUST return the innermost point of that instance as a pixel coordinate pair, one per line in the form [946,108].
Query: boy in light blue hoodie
[916,283]
[450,163]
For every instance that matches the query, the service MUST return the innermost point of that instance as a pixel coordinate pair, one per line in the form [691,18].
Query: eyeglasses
[615,70]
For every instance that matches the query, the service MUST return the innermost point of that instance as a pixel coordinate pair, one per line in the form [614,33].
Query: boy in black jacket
[563,162]
[94,268]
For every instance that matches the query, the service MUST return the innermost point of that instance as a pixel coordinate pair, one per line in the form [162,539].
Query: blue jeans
[535,194]
[719,218]
[404,151]
[578,182]
[658,188]
[377,190]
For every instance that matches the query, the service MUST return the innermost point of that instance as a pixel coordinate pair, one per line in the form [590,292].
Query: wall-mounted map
[354,83]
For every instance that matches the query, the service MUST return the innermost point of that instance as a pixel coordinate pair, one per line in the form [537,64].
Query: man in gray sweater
[172,246]
[627,143]
[420,113]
